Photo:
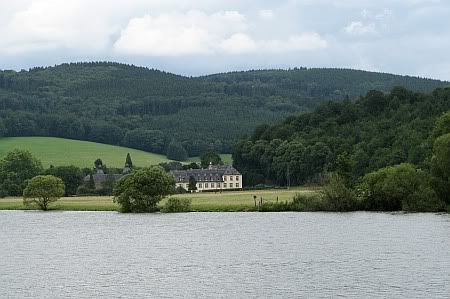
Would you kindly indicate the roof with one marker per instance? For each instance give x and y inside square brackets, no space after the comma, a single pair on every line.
[210,174]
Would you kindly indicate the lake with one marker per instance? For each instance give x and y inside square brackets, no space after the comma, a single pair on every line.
[224,255]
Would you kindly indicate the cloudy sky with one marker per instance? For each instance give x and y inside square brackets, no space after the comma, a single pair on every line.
[194,37]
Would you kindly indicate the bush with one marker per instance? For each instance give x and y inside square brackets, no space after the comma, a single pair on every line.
[307,203]
[300,203]
[177,205]
[337,197]
[400,187]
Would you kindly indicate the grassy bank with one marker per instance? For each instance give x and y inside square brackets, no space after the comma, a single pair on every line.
[201,202]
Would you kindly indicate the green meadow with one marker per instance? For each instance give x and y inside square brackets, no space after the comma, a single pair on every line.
[61,152]
[234,201]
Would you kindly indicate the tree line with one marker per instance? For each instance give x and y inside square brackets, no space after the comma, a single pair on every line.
[161,112]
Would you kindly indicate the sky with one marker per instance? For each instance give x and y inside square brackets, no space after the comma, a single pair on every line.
[196,37]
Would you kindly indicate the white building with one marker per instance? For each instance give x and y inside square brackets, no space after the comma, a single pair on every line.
[213,178]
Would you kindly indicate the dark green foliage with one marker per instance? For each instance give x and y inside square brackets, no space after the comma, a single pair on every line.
[15,169]
[177,205]
[71,176]
[192,186]
[210,157]
[400,187]
[350,138]
[105,101]
[141,190]
[176,151]
[300,203]
[440,167]
[180,190]
[442,125]
[146,140]
[191,165]
[168,166]
[98,163]
[128,162]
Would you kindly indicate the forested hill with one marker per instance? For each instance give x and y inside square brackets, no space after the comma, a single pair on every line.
[375,131]
[149,109]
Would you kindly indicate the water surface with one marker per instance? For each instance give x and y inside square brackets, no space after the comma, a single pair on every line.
[227,255]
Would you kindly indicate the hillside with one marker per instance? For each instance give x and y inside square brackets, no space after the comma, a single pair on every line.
[147,109]
[63,152]
[377,130]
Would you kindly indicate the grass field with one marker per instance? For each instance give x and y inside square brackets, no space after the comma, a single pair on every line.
[201,202]
[59,152]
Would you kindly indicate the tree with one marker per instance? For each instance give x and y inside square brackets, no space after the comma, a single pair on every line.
[442,126]
[43,190]
[128,162]
[210,157]
[175,151]
[71,176]
[440,166]
[399,187]
[141,190]
[98,163]
[192,186]
[17,167]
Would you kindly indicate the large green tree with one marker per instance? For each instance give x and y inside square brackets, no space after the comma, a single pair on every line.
[141,190]
[43,190]
[15,169]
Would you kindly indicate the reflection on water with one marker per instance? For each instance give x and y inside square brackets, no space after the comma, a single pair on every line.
[229,255]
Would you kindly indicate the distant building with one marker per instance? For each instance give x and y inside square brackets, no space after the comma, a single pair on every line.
[100,177]
[212,178]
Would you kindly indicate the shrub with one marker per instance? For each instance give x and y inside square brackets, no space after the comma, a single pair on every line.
[307,203]
[400,187]
[177,205]
[337,197]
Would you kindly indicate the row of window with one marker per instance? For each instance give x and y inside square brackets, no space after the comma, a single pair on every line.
[216,185]
[231,178]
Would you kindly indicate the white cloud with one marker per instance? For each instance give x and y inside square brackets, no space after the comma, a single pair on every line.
[239,43]
[197,33]
[358,28]
[50,24]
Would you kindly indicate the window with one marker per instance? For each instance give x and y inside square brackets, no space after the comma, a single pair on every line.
[237,178]
[206,185]
[231,177]
[212,185]
[224,185]
[218,185]
[237,185]
[224,177]
[200,186]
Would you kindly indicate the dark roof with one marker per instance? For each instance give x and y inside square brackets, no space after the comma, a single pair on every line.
[213,173]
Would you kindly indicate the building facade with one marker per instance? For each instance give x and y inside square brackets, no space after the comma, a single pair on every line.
[213,178]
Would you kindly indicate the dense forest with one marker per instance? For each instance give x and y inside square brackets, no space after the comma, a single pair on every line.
[375,131]
[148,109]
